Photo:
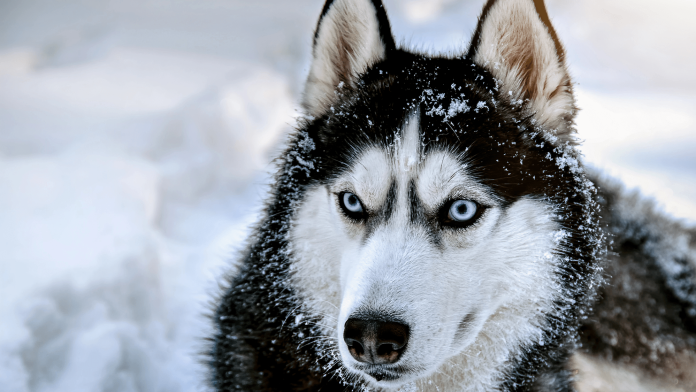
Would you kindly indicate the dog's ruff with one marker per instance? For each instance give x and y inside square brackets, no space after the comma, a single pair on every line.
[498,301]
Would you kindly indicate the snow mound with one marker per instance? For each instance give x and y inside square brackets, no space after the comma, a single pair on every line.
[115,236]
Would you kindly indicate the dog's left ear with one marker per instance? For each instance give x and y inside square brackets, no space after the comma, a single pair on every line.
[352,35]
[515,41]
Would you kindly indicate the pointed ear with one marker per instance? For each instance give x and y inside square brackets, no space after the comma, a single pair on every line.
[515,41]
[352,35]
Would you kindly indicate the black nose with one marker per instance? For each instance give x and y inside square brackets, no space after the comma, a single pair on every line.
[375,342]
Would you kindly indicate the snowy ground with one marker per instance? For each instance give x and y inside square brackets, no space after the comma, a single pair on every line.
[136,139]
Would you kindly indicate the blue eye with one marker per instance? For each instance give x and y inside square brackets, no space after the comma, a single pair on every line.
[462,211]
[351,205]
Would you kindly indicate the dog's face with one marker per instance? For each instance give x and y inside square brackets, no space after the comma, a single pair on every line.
[431,233]
[404,238]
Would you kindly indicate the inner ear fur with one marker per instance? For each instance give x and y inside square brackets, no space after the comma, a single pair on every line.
[351,36]
[514,40]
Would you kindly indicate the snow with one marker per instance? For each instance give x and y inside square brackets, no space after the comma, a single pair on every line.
[458,106]
[136,139]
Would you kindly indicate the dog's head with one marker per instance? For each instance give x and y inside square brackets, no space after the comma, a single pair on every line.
[437,226]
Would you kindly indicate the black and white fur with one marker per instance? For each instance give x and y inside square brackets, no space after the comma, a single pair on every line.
[499,304]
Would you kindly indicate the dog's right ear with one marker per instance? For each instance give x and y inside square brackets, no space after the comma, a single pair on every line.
[516,42]
[351,36]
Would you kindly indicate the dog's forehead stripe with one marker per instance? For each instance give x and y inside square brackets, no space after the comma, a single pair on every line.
[408,145]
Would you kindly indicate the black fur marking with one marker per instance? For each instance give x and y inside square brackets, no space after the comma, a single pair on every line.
[390,204]
[420,217]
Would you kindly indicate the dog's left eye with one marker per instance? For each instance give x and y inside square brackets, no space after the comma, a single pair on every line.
[351,205]
[460,213]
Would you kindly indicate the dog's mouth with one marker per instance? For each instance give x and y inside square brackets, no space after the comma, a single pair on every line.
[388,374]
[385,376]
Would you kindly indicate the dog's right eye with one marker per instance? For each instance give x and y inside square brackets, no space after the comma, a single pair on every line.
[351,205]
[460,213]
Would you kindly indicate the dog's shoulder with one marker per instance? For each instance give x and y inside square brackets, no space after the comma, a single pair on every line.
[645,314]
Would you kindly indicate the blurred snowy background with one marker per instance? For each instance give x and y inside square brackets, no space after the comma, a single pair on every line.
[136,138]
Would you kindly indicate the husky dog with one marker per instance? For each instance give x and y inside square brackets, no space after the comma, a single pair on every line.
[432,228]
